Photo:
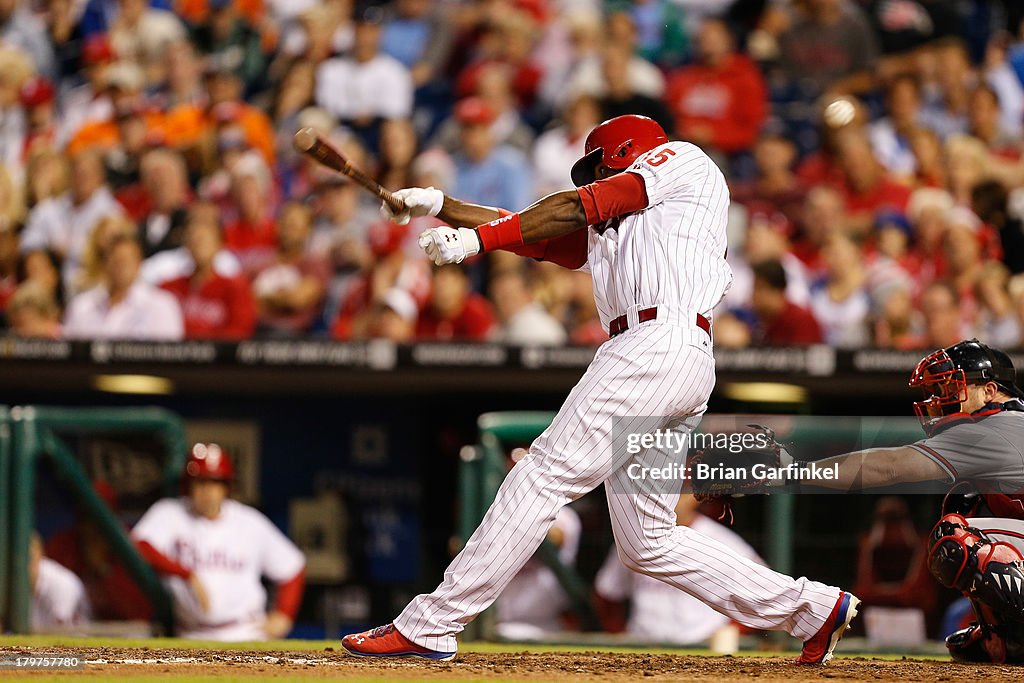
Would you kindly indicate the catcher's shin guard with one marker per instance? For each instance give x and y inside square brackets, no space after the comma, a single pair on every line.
[985,642]
[991,573]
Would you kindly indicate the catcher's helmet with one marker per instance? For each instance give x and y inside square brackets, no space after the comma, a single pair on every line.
[617,143]
[945,374]
[209,461]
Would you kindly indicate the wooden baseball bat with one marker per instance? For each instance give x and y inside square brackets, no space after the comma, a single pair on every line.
[308,142]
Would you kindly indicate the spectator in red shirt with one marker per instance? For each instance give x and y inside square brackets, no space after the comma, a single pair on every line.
[251,235]
[892,245]
[839,116]
[782,323]
[213,306]
[927,210]
[866,186]
[720,101]
[290,290]
[964,260]
[455,311]
[776,184]
[929,165]
[821,215]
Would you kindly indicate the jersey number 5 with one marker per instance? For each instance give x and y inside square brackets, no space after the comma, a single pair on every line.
[661,157]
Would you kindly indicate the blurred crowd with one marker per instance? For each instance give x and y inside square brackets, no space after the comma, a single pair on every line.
[149,189]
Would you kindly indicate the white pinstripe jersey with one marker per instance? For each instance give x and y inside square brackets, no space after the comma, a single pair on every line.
[671,254]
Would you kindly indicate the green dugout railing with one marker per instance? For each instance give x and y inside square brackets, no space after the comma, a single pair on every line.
[28,433]
[483,468]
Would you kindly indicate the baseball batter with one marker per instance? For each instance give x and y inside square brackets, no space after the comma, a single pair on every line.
[213,551]
[647,220]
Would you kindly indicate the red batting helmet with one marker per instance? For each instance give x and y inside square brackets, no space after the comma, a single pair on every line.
[617,143]
[209,461]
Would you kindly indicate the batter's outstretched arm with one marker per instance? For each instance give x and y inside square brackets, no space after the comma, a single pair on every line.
[877,467]
[555,215]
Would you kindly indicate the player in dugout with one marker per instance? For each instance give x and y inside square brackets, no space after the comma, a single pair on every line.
[212,551]
[973,415]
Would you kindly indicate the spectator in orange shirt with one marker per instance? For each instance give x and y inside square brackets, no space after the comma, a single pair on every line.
[290,290]
[719,102]
[213,306]
[454,312]
[782,322]
[225,105]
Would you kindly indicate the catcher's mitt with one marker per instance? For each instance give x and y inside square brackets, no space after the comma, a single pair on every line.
[752,462]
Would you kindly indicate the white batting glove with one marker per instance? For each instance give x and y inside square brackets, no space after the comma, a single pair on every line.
[449,245]
[419,201]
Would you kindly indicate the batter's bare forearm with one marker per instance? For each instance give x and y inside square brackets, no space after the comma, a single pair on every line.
[553,216]
[460,214]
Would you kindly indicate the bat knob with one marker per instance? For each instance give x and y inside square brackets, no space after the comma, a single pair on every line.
[304,139]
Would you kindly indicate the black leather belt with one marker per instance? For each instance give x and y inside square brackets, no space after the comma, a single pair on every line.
[619,325]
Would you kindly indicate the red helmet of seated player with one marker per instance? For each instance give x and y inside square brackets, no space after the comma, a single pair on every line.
[944,376]
[616,144]
[209,461]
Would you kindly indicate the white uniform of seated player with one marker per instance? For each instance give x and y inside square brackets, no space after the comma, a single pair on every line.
[660,613]
[534,602]
[212,552]
[59,602]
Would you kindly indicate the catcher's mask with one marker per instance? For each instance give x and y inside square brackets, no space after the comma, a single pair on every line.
[944,376]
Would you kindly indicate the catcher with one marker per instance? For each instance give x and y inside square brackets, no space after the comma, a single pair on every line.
[973,415]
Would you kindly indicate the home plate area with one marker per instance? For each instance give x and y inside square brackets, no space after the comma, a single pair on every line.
[154,663]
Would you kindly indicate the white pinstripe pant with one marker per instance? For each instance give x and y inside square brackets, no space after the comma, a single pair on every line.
[649,371]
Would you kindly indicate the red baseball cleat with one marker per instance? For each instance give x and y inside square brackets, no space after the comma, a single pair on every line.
[386,641]
[818,650]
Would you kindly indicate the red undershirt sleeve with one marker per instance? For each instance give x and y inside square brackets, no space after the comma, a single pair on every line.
[568,251]
[289,595]
[160,562]
[621,194]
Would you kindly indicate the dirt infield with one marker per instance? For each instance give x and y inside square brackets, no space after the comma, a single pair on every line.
[563,667]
